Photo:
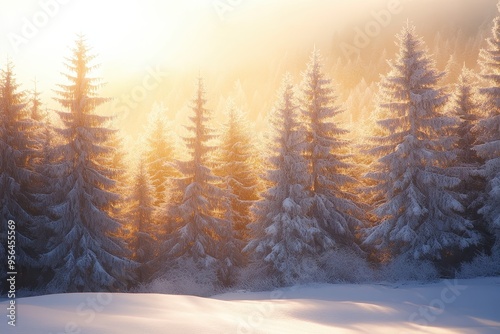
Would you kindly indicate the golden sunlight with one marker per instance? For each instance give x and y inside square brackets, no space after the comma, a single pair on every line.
[341,155]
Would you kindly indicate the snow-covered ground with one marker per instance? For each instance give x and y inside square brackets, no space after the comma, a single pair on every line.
[462,306]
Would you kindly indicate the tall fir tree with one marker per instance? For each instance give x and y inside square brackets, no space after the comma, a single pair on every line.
[84,253]
[488,146]
[333,207]
[284,235]
[159,153]
[197,228]
[42,182]
[236,167]
[140,218]
[420,216]
[118,161]
[38,117]
[466,107]
[17,203]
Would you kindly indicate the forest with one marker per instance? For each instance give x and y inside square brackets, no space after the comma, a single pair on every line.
[397,180]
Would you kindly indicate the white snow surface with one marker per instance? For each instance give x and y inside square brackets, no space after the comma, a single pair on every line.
[461,306]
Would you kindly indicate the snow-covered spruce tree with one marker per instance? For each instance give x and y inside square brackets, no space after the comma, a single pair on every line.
[284,235]
[45,179]
[488,146]
[236,167]
[41,182]
[83,252]
[16,199]
[38,117]
[197,229]
[117,161]
[140,219]
[333,206]
[419,213]
[45,164]
[465,105]
[159,153]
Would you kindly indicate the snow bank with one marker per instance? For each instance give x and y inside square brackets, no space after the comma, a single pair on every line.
[454,306]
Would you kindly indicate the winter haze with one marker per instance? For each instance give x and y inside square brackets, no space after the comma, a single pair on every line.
[250,166]
[252,48]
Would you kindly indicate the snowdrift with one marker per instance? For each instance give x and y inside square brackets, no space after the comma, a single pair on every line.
[448,306]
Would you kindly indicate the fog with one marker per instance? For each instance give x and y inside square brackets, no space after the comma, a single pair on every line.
[152,52]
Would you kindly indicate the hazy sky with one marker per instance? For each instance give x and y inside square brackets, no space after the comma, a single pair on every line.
[154,49]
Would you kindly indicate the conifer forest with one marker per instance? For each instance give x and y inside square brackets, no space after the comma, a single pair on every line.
[368,154]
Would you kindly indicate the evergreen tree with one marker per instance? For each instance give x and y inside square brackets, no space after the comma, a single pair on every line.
[36,112]
[420,215]
[16,199]
[140,217]
[47,136]
[452,70]
[159,154]
[333,206]
[38,117]
[84,254]
[42,182]
[118,162]
[284,234]
[488,146]
[46,164]
[197,228]
[466,106]
[236,167]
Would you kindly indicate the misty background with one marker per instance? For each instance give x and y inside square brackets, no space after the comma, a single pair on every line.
[241,48]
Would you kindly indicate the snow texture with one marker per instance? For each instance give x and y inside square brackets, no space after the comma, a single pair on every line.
[444,307]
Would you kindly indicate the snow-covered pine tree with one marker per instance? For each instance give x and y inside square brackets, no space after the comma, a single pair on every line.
[40,183]
[159,153]
[466,107]
[488,146]
[118,162]
[284,235]
[83,252]
[452,70]
[16,199]
[38,117]
[44,180]
[197,228]
[43,134]
[333,206]
[236,167]
[140,219]
[230,254]
[45,162]
[419,213]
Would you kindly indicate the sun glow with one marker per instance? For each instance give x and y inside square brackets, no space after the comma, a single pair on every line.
[241,51]
[205,146]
